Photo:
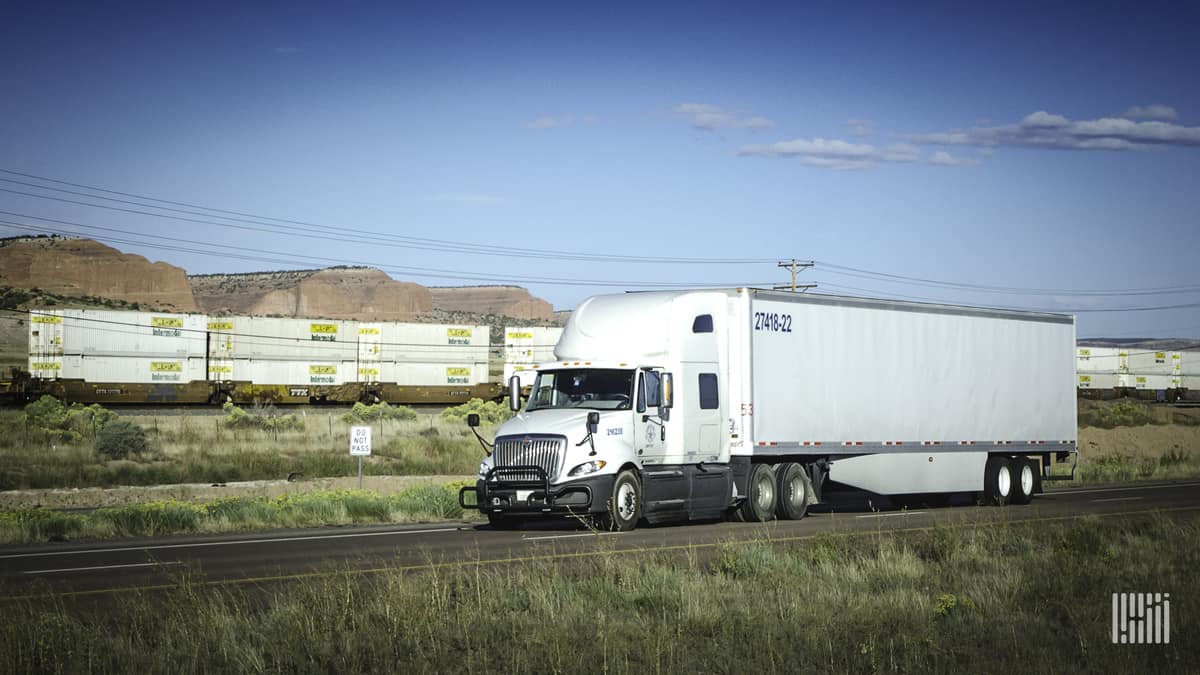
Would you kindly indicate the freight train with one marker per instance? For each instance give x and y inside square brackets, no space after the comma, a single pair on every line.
[1148,374]
[122,357]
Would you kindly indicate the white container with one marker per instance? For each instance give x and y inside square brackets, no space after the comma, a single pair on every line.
[127,369]
[92,332]
[530,344]
[295,339]
[1151,382]
[433,343]
[1100,360]
[1152,362]
[1189,363]
[294,372]
[443,374]
[1097,380]
[525,372]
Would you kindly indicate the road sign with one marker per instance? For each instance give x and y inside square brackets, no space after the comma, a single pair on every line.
[360,441]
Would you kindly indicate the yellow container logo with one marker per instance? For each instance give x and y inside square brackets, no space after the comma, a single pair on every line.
[520,336]
[1085,353]
[166,367]
[324,328]
[369,330]
[1085,379]
[322,370]
[45,365]
[220,325]
[166,322]
[458,332]
[458,372]
[374,372]
[40,318]
[220,369]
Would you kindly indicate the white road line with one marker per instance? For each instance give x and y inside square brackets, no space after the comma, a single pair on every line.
[1073,491]
[102,567]
[1116,499]
[890,514]
[569,536]
[202,544]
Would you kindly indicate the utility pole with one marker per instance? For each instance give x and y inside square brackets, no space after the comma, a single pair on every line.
[795,267]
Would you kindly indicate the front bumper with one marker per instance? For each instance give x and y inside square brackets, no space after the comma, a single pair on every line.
[497,494]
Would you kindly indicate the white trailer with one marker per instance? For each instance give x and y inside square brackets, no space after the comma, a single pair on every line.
[700,404]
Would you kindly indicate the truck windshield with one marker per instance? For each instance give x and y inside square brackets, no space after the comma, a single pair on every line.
[600,389]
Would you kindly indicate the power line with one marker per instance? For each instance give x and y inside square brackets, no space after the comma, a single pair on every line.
[297,259]
[403,241]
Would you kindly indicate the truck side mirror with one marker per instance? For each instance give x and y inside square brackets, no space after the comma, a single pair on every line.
[473,420]
[666,395]
[514,393]
[593,422]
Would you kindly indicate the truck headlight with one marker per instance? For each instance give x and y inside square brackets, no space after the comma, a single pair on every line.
[587,467]
[483,469]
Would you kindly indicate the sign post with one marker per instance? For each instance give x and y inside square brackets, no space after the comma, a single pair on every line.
[360,446]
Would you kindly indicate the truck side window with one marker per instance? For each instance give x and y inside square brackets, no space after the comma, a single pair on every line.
[648,391]
[702,324]
[709,399]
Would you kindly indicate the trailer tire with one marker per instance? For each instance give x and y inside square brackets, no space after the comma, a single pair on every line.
[1024,480]
[625,504]
[997,481]
[762,493]
[792,493]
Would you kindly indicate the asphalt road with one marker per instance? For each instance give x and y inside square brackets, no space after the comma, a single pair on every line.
[110,568]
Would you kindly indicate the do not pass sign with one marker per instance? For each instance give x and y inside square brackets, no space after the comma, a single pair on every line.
[360,441]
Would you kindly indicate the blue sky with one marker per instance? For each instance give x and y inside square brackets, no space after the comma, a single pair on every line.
[1046,147]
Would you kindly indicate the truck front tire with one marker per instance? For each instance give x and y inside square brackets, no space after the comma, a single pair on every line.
[625,505]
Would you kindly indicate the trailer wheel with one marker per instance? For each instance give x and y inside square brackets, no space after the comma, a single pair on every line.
[793,492]
[1024,480]
[759,506]
[997,481]
[625,506]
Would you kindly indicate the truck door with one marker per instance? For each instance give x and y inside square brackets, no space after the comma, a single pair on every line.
[647,427]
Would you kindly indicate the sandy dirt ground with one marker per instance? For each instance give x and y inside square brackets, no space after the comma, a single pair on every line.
[1151,440]
[90,498]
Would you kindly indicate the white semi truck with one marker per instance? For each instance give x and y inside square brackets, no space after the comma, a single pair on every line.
[695,405]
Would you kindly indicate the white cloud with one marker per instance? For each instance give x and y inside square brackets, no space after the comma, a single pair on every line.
[943,158]
[710,118]
[1154,111]
[1045,130]
[861,127]
[833,153]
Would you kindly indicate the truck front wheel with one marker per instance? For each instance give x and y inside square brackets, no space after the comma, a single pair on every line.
[625,506]
[759,506]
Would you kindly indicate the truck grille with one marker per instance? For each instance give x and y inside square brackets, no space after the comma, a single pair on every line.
[543,451]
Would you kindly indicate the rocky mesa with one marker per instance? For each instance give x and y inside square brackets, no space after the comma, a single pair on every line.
[82,267]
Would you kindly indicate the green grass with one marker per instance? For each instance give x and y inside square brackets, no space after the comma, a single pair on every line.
[202,449]
[1001,598]
[342,507]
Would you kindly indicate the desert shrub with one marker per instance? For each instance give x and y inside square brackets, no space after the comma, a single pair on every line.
[263,417]
[489,412]
[66,424]
[1119,414]
[379,411]
[120,439]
